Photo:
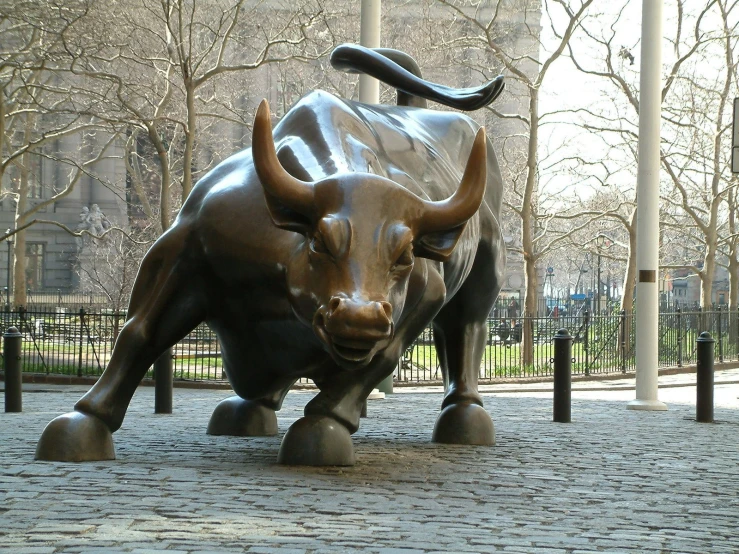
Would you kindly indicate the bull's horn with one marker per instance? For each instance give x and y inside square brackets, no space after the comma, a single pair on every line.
[293,193]
[462,205]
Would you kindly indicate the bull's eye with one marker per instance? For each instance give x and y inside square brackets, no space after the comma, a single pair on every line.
[318,246]
[405,259]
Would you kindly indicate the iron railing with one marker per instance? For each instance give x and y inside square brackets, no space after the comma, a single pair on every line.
[80,342]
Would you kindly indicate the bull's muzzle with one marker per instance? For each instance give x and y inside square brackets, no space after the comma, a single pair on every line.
[354,330]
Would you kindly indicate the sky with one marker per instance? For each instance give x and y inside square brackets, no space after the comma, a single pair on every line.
[567,88]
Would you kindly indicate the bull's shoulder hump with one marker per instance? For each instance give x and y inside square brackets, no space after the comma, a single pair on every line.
[316,105]
[311,110]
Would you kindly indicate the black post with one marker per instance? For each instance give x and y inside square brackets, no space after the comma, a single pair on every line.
[679,324]
[81,335]
[163,383]
[364,409]
[12,342]
[10,266]
[598,308]
[720,336]
[622,324]
[586,340]
[562,376]
[704,378]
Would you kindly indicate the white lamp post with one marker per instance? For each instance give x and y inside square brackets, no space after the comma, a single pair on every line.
[369,36]
[369,92]
[647,218]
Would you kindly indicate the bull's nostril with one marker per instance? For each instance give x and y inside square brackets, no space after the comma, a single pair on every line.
[334,303]
[388,309]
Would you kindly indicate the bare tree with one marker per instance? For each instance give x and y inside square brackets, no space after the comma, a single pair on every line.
[43,119]
[164,65]
[498,32]
[701,75]
[108,265]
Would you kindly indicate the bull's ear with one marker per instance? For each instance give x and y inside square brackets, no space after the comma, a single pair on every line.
[285,218]
[438,245]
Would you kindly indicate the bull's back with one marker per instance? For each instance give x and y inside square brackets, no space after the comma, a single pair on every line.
[424,150]
[322,135]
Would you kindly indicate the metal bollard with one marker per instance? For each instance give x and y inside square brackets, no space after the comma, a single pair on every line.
[364,409]
[386,385]
[562,376]
[12,342]
[704,378]
[163,383]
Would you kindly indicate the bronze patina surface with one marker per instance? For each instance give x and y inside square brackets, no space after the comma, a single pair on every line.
[322,252]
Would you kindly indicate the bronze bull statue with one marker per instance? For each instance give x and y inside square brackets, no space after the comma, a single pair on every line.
[323,252]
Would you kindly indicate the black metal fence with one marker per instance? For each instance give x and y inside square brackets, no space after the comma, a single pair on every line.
[601,344]
[79,342]
[51,299]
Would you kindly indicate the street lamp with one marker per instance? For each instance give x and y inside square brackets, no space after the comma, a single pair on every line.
[8,289]
[601,240]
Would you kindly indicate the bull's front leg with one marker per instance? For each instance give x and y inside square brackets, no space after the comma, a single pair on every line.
[463,420]
[460,335]
[323,436]
[164,308]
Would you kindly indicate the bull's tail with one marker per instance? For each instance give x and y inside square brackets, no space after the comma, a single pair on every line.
[399,70]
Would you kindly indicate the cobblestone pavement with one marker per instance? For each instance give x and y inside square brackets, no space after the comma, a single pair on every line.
[612,481]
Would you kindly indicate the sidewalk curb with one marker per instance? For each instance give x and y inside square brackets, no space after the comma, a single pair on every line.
[607,389]
[429,386]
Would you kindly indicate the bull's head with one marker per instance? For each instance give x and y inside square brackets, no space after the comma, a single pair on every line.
[349,277]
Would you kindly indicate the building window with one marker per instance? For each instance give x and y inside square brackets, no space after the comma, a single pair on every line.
[35,176]
[35,265]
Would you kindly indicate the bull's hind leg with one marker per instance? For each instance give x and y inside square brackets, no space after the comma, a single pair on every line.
[164,307]
[244,417]
[460,334]
[241,417]
[252,413]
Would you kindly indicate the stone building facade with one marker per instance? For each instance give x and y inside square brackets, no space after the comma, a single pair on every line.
[52,253]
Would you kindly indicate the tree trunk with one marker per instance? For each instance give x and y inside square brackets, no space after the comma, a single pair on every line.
[19,242]
[3,110]
[709,266]
[627,298]
[530,310]
[189,143]
[733,254]
[20,298]
[164,192]
[133,171]
[527,233]
[21,209]
[733,296]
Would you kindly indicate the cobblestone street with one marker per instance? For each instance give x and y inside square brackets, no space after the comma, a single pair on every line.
[612,481]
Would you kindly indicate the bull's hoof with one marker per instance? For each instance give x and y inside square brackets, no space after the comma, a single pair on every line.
[242,418]
[464,423]
[317,441]
[75,437]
